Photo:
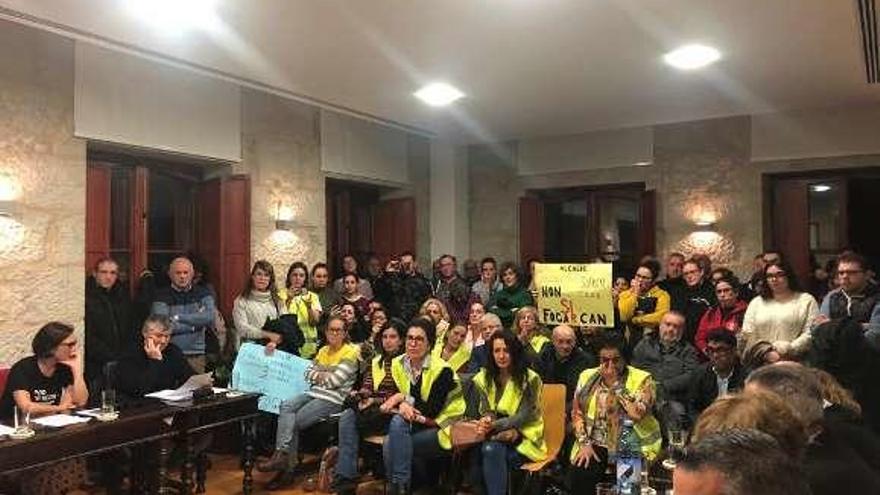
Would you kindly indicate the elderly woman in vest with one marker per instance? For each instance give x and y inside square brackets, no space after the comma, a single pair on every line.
[602,397]
[428,403]
[508,401]
[331,376]
[365,418]
[526,328]
[452,349]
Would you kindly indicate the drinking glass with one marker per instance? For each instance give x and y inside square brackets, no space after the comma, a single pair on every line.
[22,424]
[606,489]
[108,402]
[677,439]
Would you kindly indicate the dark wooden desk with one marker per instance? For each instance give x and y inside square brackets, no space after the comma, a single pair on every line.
[144,422]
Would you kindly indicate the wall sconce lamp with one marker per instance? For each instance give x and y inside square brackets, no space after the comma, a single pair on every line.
[8,208]
[705,226]
[286,225]
[284,218]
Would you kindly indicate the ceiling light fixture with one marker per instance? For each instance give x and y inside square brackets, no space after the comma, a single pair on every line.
[690,57]
[175,16]
[820,188]
[439,94]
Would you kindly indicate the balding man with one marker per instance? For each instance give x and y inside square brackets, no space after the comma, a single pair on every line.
[489,324]
[190,307]
[564,361]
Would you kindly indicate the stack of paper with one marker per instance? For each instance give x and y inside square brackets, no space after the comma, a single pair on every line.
[184,392]
[60,420]
[5,430]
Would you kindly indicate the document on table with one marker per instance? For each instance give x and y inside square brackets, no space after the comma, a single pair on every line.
[6,430]
[59,420]
[184,392]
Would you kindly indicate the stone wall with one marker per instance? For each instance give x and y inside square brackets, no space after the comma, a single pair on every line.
[494,191]
[42,168]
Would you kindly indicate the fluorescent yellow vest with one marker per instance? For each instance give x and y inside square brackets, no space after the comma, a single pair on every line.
[647,429]
[454,408]
[458,358]
[538,342]
[295,306]
[532,445]
[378,372]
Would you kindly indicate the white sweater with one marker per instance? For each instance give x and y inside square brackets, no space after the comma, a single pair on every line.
[250,314]
[786,325]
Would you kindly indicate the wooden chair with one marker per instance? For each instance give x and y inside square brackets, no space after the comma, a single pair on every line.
[553,408]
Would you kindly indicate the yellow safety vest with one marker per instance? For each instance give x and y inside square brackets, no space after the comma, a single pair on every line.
[647,429]
[458,358]
[378,372]
[532,445]
[295,305]
[538,342]
[454,408]
[348,352]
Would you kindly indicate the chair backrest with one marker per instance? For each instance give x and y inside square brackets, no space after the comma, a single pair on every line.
[4,374]
[553,407]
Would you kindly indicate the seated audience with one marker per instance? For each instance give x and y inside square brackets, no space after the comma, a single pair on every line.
[697,297]
[604,396]
[782,315]
[671,362]
[507,399]
[642,306]
[832,464]
[258,303]
[530,333]
[363,417]
[109,326]
[351,295]
[727,314]
[191,309]
[434,310]
[355,327]
[740,462]
[452,290]
[405,288]
[452,349]
[350,266]
[722,375]
[564,361]
[475,332]
[429,402]
[51,380]
[488,283]
[512,296]
[331,377]
[327,295]
[154,364]
[489,324]
[378,322]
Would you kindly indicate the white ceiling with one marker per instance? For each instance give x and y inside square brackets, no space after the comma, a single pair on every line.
[529,67]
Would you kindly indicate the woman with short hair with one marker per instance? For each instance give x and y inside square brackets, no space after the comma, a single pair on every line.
[512,296]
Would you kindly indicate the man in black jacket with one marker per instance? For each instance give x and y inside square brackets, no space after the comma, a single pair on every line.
[723,374]
[564,361]
[109,330]
[694,299]
[155,365]
[403,287]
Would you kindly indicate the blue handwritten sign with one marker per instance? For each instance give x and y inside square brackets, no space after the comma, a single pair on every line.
[278,377]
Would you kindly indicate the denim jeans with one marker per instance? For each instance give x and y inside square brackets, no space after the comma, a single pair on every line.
[491,465]
[298,414]
[403,445]
[349,438]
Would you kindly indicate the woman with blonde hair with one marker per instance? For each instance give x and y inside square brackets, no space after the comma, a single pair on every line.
[434,310]
[758,410]
[840,400]
[453,350]
[529,332]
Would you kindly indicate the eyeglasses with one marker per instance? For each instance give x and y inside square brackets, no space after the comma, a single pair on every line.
[335,330]
[418,339]
[776,275]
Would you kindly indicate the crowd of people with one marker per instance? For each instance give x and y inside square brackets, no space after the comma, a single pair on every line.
[776,385]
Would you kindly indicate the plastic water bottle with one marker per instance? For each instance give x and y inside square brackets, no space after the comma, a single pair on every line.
[629,460]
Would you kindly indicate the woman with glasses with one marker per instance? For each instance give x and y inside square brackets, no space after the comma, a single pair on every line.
[507,399]
[727,314]
[603,397]
[643,305]
[331,376]
[428,403]
[782,315]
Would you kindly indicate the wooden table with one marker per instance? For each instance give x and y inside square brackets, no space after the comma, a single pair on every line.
[147,421]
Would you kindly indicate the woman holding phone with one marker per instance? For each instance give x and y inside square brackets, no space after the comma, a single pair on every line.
[303,303]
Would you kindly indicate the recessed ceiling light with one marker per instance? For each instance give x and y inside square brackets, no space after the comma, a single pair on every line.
[820,188]
[438,94]
[690,57]
[176,15]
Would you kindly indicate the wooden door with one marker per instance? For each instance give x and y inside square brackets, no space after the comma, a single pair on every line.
[531,229]
[647,224]
[394,228]
[97,214]
[790,217]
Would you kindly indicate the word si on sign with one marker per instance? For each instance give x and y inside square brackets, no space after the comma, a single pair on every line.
[575,294]
[278,377]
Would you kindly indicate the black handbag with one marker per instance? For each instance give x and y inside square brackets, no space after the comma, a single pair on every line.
[287,327]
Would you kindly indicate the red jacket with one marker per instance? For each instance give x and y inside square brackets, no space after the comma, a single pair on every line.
[714,318]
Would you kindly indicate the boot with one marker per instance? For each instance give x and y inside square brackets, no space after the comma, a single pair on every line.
[278,462]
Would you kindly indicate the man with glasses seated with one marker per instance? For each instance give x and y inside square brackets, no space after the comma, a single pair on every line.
[723,374]
[856,297]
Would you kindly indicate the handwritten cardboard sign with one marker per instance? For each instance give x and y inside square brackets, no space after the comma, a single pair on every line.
[575,294]
[278,377]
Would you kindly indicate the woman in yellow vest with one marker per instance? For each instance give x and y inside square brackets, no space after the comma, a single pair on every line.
[508,396]
[526,328]
[603,396]
[452,349]
[364,416]
[303,303]
[434,310]
[331,376]
[428,403]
